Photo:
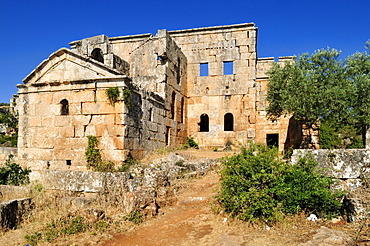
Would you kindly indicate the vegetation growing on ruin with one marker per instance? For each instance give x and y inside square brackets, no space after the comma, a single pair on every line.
[112,95]
[13,174]
[97,164]
[256,185]
[126,97]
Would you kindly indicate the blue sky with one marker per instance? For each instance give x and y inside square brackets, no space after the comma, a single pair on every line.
[32,30]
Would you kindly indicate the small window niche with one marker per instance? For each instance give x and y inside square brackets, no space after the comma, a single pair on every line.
[97,55]
[69,162]
[272,140]
[64,110]
[228,67]
[203,69]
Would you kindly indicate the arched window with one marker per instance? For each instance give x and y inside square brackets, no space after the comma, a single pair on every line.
[229,122]
[173,101]
[97,54]
[64,110]
[204,123]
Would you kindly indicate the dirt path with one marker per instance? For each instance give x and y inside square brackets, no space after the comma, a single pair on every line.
[186,222]
[192,222]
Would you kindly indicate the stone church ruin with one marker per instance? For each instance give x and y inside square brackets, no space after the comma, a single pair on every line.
[206,83]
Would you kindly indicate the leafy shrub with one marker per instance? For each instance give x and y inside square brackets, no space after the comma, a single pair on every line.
[13,174]
[190,143]
[134,216]
[257,185]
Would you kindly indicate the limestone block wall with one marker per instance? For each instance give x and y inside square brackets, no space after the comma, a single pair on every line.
[217,93]
[159,66]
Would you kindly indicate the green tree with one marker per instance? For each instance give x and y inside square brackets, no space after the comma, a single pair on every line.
[358,72]
[312,88]
[9,120]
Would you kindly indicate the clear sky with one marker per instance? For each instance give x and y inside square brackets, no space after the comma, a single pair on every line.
[33,29]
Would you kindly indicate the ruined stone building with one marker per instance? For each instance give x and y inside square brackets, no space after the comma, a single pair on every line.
[206,83]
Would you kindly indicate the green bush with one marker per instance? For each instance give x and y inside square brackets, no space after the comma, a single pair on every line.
[257,185]
[134,216]
[190,143]
[13,174]
[11,139]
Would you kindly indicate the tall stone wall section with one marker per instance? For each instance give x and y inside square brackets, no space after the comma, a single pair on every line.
[351,170]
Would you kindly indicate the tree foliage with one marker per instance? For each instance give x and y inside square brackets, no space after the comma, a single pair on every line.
[320,87]
[312,88]
[9,120]
[257,185]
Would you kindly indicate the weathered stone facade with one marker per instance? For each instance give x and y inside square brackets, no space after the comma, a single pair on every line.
[205,83]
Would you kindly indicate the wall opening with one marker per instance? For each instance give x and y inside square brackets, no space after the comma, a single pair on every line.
[64,110]
[150,116]
[168,131]
[97,55]
[272,140]
[228,67]
[68,162]
[182,110]
[204,123]
[229,122]
[204,69]
[173,101]
[178,71]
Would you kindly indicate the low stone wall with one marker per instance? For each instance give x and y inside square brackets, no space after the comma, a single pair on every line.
[9,192]
[351,169]
[6,151]
[14,211]
[142,188]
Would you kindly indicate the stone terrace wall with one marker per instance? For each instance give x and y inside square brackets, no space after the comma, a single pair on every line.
[351,169]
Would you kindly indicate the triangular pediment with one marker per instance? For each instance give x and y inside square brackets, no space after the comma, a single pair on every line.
[65,65]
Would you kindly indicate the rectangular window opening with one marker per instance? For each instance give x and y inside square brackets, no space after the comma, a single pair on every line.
[204,69]
[68,162]
[228,67]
